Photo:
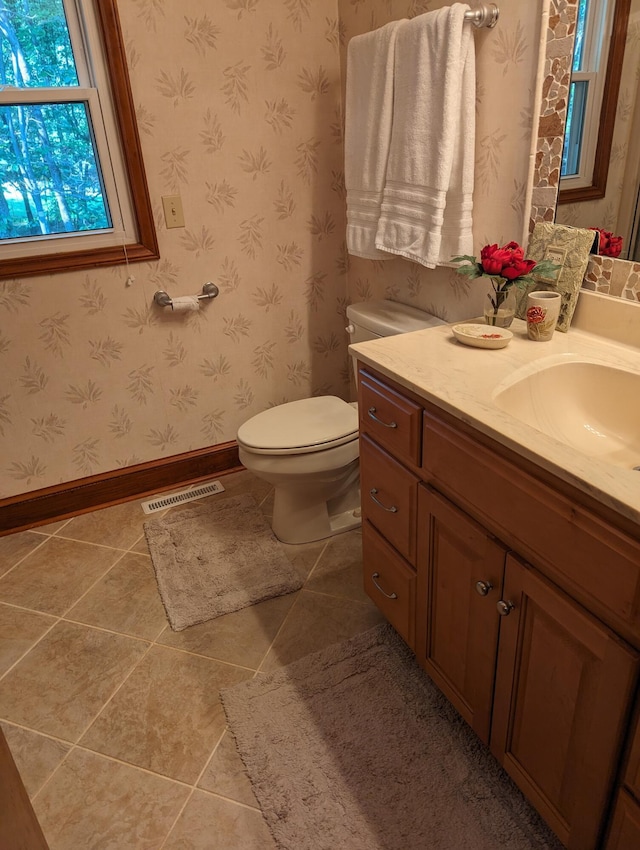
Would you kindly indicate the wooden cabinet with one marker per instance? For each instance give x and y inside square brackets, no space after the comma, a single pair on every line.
[391,582]
[625,823]
[563,687]
[459,583]
[521,604]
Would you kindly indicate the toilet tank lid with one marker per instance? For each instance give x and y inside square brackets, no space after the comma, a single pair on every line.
[386,318]
[309,422]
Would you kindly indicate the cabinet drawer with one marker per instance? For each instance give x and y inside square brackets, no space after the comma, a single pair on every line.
[390,418]
[596,563]
[389,497]
[390,582]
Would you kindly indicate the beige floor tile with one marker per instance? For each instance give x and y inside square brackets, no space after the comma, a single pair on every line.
[125,600]
[244,482]
[13,547]
[93,803]
[141,546]
[242,637]
[209,823]
[62,683]
[167,717]
[35,755]
[56,575]
[339,570]
[316,621]
[235,484]
[226,775]
[119,526]
[304,556]
[19,630]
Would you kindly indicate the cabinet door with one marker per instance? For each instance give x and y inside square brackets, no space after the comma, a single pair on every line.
[563,684]
[632,773]
[457,627]
[625,827]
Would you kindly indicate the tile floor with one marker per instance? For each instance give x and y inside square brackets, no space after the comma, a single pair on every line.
[113,719]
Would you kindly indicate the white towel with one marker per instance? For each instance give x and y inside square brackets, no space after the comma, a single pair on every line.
[428,195]
[368,114]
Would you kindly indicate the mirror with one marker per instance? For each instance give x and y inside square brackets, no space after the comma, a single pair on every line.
[604,274]
[606,193]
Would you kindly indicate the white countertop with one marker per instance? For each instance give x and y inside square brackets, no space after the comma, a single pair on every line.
[462,381]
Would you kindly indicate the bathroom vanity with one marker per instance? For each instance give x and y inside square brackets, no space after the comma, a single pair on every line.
[510,564]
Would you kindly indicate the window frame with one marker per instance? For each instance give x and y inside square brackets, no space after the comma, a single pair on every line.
[145,246]
[597,186]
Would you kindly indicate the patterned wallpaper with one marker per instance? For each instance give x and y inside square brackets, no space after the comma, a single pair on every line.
[239,109]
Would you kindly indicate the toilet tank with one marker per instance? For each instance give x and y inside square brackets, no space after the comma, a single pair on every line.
[374,319]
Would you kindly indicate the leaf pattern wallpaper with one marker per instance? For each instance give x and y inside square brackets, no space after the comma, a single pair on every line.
[239,106]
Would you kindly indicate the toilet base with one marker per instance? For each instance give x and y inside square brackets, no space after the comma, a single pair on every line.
[300,519]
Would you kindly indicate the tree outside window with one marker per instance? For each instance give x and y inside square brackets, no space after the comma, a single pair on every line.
[70,165]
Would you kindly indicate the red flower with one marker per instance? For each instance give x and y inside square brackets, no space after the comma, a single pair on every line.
[535,315]
[507,262]
[608,244]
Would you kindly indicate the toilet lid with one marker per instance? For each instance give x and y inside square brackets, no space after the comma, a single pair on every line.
[305,425]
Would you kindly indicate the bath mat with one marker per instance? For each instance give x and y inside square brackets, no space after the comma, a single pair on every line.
[354,747]
[216,558]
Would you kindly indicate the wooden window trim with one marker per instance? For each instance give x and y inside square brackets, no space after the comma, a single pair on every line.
[598,187]
[146,246]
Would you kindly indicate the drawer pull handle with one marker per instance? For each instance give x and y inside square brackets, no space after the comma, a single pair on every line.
[372,414]
[504,608]
[374,576]
[373,493]
[483,587]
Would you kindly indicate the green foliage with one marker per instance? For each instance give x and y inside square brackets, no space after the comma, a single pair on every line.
[49,169]
[36,49]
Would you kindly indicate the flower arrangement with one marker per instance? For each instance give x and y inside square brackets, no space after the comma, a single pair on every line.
[608,244]
[506,266]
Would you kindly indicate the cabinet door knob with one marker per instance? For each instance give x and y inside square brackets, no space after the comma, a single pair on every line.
[374,576]
[372,414]
[483,587]
[505,608]
[373,493]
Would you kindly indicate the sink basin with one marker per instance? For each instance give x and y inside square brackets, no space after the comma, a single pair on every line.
[592,407]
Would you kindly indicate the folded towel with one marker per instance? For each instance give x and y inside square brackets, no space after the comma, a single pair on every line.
[368,114]
[428,195]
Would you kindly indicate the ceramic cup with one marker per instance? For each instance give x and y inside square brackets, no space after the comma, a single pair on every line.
[543,309]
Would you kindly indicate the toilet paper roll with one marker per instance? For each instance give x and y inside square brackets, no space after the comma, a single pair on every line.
[185,304]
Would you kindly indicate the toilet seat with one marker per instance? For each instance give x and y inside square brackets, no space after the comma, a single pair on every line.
[300,427]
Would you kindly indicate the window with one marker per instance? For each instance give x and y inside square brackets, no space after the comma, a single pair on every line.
[593,95]
[72,186]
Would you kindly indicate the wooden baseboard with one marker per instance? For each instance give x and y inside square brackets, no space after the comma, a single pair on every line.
[38,507]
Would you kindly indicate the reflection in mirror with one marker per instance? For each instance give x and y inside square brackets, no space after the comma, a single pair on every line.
[601,163]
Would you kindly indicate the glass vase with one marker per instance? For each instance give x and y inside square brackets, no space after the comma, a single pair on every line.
[500,307]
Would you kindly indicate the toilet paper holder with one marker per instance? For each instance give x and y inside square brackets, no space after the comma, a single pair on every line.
[163,299]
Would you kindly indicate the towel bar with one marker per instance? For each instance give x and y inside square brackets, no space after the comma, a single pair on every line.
[486,15]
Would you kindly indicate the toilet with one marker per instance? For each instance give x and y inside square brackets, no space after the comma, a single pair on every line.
[308,449]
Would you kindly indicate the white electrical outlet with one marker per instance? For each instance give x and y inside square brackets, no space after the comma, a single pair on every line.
[173,214]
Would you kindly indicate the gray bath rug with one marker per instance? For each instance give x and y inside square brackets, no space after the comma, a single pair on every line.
[216,558]
[354,748]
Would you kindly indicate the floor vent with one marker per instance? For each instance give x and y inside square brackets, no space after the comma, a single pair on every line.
[198,491]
